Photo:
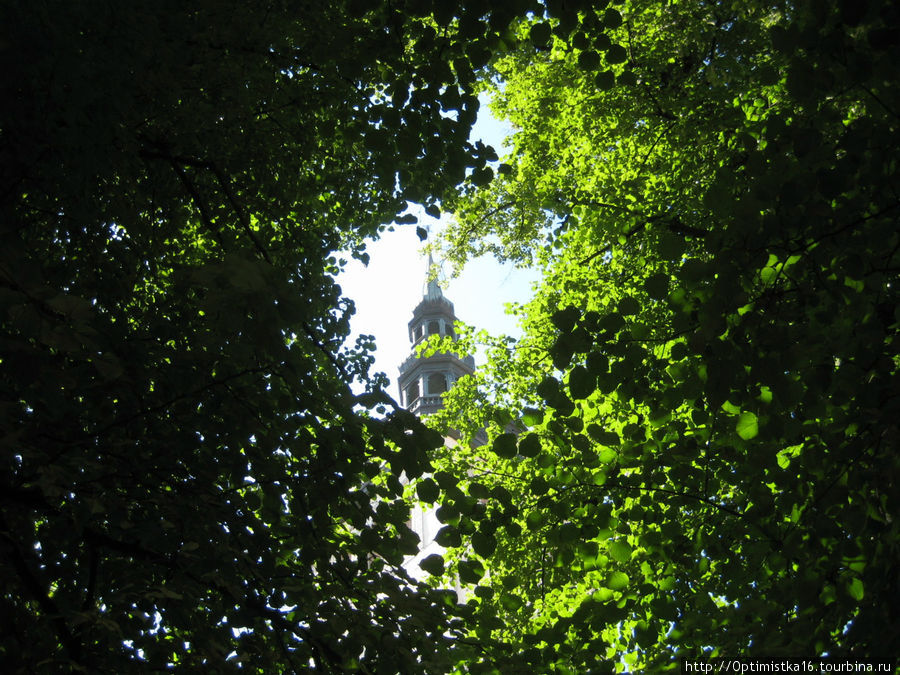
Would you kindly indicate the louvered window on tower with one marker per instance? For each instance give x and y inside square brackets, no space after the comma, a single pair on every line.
[437,383]
[412,392]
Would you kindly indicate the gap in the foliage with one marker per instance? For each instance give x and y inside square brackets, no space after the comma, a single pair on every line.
[386,291]
[391,285]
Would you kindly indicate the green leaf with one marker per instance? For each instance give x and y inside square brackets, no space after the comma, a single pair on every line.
[620,551]
[538,485]
[445,479]
[532,417]
[548,389]
[535,520]
[484,544]
[679,351]
[747,426]
[731,408]
[612,323]
[609,438]
[617,581]
[433,564]
[628,306]
[589,60]
[628,78]
[448,537]
[470,572]
[597,363]
[616,54]
[504,446]
[427,490]
[565,319]
[603,594]
[567,533]
[657,286]
[605,80]
[510,602]
[485,592]
[612,18]
[539,34]
[581,382]
[478,490]
[855,588]
[448,514]
[530,445]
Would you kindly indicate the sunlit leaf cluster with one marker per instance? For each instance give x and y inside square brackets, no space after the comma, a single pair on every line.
[707,383]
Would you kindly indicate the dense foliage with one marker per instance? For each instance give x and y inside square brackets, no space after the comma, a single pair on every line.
[187,479]
[709,374]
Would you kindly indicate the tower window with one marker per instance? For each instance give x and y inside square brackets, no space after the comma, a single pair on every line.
[412,392]
[434,328]
[437,383]
[418,332]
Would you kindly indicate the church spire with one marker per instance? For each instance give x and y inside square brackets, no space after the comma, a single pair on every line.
[423,379]
[432,289]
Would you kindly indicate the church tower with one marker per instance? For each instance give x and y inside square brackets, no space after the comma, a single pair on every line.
[423,379]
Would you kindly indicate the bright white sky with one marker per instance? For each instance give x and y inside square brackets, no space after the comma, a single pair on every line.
[390,287]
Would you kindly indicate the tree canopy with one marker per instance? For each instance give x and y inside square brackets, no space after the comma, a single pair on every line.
[187,478]
[709,372]
[707,388]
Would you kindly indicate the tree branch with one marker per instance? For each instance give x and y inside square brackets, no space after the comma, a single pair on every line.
[198,201]
[242,216]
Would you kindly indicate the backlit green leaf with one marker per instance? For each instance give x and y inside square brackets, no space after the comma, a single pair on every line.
[747,426]
[619,551]
[855,588]
[617,581]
